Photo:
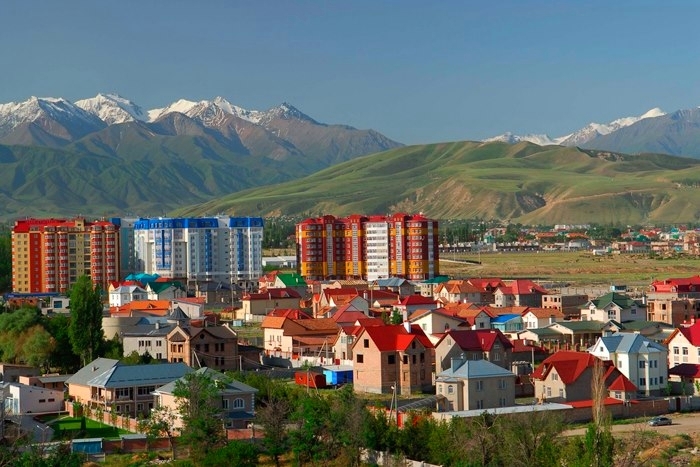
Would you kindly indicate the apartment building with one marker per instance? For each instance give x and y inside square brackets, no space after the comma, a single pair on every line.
[49,255]
[368,247]
[227,249]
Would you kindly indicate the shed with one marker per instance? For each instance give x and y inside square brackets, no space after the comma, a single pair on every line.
[338,374]
[87,445]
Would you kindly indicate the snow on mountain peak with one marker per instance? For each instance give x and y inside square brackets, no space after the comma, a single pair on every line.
[14,114]
[112,108]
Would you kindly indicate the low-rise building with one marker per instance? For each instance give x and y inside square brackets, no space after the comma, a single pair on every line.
[475,385]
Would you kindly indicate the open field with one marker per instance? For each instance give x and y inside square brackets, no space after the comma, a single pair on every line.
[576,268]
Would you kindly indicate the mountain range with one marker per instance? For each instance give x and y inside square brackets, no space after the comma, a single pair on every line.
[521,182]
[676,133]
[109,155]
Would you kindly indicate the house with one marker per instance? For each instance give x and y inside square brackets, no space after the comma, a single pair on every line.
[218,292]
[348,314]
[511,322]
[235,399]
[578,333]
[49,381]
[142,308]
[283,280]
[457,291]
[24,399]
[474,316]
[566,376]
[541,317]
[342,348]
[167,290]
[10,373]
[108,385]
[641,360]
[475,385]
[684,345]
[215,347]
[653,330]
[675,311]
[528,351]
[193,307]
[291,338]
[488,287]
[148,338]
[436,321]
[397,285]
[519,292]
[255,306]
[569,304]
[615,306]
[333,297]
[125,294]
[392,358]
[486,344]
[408,305]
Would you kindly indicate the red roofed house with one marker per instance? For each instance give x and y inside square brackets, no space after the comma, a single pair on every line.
[348,314]
[534,318]
[487,344]
[413,303]
[488,287]
[436,321]
[292,338]
[255,306]
[329,298]
[342,348]
[519,292]
[566,376]
[456,291]
[475,316]
[674,301]
[392,355]
[684,345]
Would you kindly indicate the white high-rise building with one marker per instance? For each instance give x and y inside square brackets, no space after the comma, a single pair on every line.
[226,249]
[377,244]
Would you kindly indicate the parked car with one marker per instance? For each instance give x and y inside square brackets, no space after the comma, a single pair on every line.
[658,421]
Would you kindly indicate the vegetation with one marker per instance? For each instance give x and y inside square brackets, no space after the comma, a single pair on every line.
[472,180]
[85,329]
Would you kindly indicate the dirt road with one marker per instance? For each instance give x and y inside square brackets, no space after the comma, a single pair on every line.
[682,423]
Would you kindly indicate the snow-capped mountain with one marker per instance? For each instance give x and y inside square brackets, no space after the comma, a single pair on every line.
[582,136]
[112,108]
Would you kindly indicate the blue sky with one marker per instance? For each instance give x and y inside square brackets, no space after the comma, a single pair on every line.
[415,71]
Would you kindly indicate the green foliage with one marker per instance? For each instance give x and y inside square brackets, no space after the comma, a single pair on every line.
[59,456]
[62,357]
[86,319]
[198,404]
[5,260]
[238,453]
[396,317]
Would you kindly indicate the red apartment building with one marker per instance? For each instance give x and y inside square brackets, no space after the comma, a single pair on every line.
[48,255]
[368,247]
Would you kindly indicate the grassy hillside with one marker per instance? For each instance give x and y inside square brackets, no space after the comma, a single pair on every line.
[522,182]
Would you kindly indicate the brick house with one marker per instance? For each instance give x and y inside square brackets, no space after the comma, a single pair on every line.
[519,292]
[289,338]
[486,344]
[389,356]
[212,346]
[255,306]
[566,376]
[436,321]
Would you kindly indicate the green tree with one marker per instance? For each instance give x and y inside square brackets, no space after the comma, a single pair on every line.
[530,438]
[62,357]
[309,439]
[37,347]
[238,453]
[199,407]
[5,260]
[273,418]
[85,330]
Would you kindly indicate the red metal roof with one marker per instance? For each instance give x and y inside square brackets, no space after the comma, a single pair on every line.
[396,337]
[479,339]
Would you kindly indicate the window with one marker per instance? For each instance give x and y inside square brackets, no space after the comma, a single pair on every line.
[450,389]
[413,359]
[366,343]
[685,350]
[675,350]
[224,404]
[480,385]
[642,382]
[549,392]
[405,359]
[392,359]
[502,384]
[360,358]
[239,403]
[555,377]
[641,364]
[661,380]
[480,404]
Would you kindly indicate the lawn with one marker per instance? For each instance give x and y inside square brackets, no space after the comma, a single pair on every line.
[70,428]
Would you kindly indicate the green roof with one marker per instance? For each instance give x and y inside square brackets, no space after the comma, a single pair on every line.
[291,279]
[158,287]
[581,325]
[621,300]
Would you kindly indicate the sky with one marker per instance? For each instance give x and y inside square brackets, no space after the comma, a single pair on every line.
[416,71]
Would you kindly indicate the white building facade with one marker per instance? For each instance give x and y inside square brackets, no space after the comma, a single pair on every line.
[377,244]
[225,249]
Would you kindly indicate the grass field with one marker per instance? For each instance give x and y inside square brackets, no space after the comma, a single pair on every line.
[576,268]
[69,428]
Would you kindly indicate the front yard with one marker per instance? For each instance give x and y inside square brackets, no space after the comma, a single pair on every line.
[75,427]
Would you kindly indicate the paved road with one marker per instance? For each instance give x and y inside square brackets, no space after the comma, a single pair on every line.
[682,423]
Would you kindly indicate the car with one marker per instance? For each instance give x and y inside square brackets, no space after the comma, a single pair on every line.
[659,421]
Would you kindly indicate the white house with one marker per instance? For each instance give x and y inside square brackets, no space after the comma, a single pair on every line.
[534,318]
[436,321]
[24,399]
[642,361]
[615,306]
[125,294]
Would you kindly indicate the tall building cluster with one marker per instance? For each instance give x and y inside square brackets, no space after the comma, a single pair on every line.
[48,255]
[368,247]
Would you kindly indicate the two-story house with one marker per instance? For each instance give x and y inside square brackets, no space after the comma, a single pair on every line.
[291,338]
[124,294]
[613,306]
[234,399]
[392,358]
[475,385]
[641,360]
[684,349]
[434,322]
[519,292]
[534,317]
[566,376]
[457,291]
[255,306]
[212,346]
[486,344]
[110,385]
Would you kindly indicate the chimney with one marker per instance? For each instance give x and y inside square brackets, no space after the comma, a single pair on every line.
[157,324]
[407,326]
[457,362]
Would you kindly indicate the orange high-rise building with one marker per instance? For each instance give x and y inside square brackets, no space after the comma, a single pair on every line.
[368,247]
[48,255]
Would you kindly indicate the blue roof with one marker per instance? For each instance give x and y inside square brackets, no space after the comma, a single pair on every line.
[505,318]
[474,369]
[391,282]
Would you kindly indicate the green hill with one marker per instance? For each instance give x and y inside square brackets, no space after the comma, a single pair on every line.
[523,182]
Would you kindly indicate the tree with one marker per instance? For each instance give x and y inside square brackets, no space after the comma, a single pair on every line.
[529,438]
[198,404]
[238,453]
[273,418]
[37,347]
[85,330]
[5,260]
[62,356]
[309,439]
